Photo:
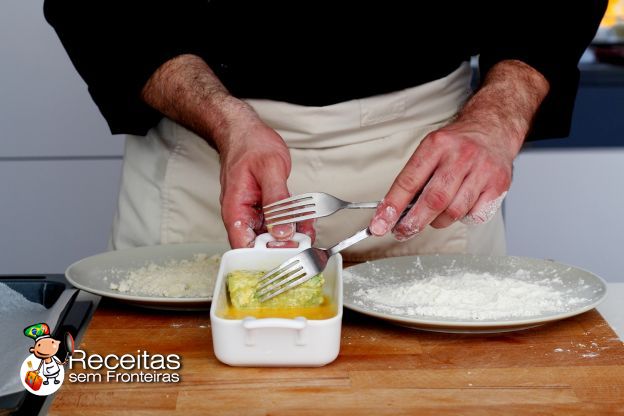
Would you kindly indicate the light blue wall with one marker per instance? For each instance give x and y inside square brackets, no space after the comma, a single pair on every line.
[568,205]
[59,165]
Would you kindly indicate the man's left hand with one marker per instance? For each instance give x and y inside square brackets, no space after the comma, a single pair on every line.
[463,170]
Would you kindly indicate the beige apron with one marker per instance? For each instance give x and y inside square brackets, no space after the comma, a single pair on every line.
[353,150]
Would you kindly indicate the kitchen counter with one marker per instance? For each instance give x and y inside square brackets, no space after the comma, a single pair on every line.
[570,367]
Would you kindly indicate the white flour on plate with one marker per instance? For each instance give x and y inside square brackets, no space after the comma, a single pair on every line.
[464,295]
[193,278]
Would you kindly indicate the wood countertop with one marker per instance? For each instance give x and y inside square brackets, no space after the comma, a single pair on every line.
[570,367]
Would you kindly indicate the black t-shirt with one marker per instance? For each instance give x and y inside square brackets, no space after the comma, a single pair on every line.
[312,53]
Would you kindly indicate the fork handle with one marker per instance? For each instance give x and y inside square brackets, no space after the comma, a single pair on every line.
[359,205]
[355,238]
[365,233]
[362,205]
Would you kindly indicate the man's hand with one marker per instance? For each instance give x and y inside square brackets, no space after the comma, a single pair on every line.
[255,165]
[463,170]
[255,162]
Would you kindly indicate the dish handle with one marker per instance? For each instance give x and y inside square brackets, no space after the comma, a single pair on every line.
[251,324]
[262,240]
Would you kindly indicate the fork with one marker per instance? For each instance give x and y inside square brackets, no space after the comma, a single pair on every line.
[302,267]
[307,206]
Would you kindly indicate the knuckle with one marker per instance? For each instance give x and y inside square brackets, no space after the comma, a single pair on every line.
[438,138]
[499,174]
[455,212]
[415,161]
[436,200]
[407,182]
[273,162]
[468,151]
[448,177]
[487,164]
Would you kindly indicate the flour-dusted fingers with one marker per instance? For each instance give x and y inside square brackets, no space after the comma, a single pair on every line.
[435,198]
[255,164]
[407,184]
[485,208]
[240,217]
[463,201]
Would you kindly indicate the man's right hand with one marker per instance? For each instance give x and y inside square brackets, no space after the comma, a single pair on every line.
[255,162]
[255,165]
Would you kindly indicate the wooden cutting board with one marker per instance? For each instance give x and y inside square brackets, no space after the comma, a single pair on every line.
[571,367]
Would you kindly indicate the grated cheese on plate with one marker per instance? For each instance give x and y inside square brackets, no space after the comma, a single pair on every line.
[192,278]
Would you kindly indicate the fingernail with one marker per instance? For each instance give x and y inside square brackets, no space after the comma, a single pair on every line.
[403,233]
[404,237]
[277,243]
[385,215]
[283,231]
[401,238]
[250,235]
[379,227]
[282,244]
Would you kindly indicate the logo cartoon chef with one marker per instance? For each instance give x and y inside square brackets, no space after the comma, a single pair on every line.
[45,349]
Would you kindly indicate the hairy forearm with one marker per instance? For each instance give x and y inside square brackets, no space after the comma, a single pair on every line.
[507,101]
[187,91]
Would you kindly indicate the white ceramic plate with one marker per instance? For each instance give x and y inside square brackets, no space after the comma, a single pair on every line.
[95,274]
[570,281]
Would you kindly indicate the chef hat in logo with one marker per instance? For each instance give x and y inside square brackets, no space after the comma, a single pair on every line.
[37,331]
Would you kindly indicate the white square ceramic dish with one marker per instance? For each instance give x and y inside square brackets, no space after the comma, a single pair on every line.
[251,341]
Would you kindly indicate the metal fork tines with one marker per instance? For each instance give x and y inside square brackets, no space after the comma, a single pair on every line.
[308,206]
[301,268]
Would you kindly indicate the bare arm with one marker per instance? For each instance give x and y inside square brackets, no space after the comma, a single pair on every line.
[255,162]
[464,168]
[186,90]
[508,100]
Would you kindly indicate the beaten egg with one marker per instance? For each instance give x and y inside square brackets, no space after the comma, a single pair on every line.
[306,300]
